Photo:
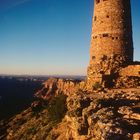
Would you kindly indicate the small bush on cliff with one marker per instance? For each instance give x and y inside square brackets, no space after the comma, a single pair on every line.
[57,108]
[97,86]
[38,105]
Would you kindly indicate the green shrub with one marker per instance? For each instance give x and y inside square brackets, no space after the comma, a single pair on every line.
[97,85]
[57,108]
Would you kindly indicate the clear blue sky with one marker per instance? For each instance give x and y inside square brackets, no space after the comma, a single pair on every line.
[50,36]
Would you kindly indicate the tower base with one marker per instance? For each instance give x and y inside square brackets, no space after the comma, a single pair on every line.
[123,77]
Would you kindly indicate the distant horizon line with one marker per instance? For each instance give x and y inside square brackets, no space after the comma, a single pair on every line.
[41,75]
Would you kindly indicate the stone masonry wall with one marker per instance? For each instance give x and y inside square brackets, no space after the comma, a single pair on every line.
[131,70]
[129,76]
[111,30]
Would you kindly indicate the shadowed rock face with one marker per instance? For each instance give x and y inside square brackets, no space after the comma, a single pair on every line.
[97,115]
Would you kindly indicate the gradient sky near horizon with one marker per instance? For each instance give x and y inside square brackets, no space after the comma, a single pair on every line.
[50,36]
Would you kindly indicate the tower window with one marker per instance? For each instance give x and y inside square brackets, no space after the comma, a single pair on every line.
[105,35]
[93,57]
[107,16]
[104,57]
[126,42]
[97,1]
[95,18]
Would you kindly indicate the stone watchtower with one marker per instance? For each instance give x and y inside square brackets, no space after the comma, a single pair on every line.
[111,40]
